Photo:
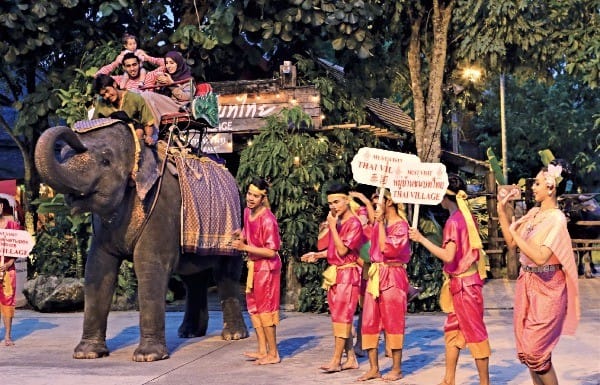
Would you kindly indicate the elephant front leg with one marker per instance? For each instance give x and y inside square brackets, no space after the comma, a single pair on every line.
[100,278]
[152,289]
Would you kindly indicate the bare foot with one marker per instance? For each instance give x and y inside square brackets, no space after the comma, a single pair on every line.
[370,375]
[9,342]
[330,368]
[267,360]
[392,376]
[255,355]
[350,363]
[444,382]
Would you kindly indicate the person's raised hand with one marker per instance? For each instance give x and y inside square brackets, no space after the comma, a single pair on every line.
[332,219]
[149,140]
[164,79]
[415,235]
[309,257]
[379,214]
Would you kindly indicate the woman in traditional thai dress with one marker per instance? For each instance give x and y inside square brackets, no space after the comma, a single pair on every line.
[8,279]
[546,292]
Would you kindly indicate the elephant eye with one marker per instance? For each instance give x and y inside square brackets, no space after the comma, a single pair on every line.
[105,162]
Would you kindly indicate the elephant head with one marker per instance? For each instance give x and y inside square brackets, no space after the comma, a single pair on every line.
[95,167]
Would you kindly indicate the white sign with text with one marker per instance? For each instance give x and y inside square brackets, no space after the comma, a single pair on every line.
[15,243]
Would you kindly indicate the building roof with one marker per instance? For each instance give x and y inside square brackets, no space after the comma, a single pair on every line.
[390,115]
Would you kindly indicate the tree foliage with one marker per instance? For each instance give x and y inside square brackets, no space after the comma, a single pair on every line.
[560,116]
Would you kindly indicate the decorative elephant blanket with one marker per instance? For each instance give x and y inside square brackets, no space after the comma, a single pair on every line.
[210,209]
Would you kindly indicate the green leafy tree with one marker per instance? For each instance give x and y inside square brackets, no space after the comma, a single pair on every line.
[560,116]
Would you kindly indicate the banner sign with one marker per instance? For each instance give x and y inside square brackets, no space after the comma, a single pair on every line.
[408,179]
[15,243]
[419,183]
[374,167]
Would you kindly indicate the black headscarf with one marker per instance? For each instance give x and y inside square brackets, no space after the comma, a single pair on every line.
[183,71]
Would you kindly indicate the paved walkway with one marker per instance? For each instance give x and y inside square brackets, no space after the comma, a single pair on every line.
[44,344]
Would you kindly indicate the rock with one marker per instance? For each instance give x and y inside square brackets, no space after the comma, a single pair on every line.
[54,294]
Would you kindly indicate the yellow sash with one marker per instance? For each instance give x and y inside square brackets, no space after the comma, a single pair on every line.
[330,274]
[474,238]
[250,278]
[373,282]
[329,277]
[446,296]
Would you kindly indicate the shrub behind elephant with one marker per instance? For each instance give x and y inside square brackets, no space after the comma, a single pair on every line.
[102,168]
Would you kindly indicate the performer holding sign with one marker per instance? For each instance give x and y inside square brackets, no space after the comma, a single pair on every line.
[8,278]
[461,296]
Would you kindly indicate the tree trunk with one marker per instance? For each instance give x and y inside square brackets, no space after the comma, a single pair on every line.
[292,287]
[428,113]
[414,66]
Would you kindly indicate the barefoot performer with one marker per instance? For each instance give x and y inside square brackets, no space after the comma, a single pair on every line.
[8,278]
[547,291]
[260,239]
[461,295]
[385,300]
[342,277]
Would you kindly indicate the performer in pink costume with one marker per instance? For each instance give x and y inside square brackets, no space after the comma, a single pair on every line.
[342,277]
[385,300]
[8,278]
[260,239]
[547,291]
[461,295]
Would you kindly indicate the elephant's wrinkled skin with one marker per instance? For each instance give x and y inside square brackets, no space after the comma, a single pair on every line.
[94,172]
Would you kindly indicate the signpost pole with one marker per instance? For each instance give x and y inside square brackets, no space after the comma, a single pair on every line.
[415,221]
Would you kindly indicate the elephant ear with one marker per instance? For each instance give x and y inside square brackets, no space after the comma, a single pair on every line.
[147,173]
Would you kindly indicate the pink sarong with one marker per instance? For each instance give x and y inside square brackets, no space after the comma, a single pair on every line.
[546,304]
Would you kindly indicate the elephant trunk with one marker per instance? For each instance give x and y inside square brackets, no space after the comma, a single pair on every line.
[60,175]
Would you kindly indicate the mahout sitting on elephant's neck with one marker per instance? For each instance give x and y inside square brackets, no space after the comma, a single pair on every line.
[95,170]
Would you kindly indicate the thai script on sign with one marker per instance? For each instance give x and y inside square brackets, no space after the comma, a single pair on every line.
[409,180]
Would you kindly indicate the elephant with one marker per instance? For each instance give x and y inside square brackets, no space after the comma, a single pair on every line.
[108,172]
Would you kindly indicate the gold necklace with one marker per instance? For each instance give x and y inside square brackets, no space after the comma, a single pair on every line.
[532,223]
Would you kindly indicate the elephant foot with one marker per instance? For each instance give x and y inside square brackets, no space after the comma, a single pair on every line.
[234,331]
[187,330]
[90,350]
[149,352]
[234,327]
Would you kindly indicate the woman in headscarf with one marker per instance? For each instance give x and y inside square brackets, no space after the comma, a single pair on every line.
[175,87]
[176,81]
